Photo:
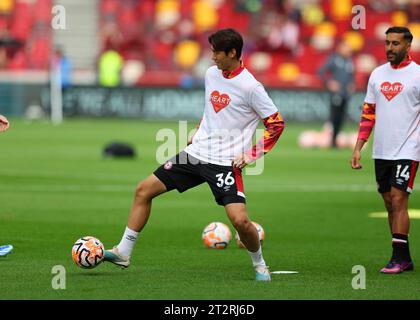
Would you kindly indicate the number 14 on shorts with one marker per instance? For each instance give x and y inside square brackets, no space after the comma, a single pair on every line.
[405,173]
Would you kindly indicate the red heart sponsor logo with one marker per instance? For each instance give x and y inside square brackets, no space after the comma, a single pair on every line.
[390,90]
[219,101]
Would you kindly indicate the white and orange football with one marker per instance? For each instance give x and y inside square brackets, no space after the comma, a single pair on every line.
[88,252]
[216,235]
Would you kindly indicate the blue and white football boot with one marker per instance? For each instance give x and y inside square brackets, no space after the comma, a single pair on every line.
[262,273]
[113,256]
[5,250]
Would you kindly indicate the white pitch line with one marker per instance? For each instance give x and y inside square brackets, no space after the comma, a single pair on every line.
[284,272]
[412,213]
[131,187]
[48,174]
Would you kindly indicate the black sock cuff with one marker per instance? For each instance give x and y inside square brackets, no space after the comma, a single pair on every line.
[400,236]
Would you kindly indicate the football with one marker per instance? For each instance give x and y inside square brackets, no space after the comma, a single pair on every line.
[88,252]
[216,235]
[261,235]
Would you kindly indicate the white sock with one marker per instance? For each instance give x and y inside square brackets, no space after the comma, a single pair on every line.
[127,243]
[257,258]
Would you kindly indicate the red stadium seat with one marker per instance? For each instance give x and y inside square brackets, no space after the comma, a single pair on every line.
[40,52]
[4,23]
[22,21]
[42,11]
[109,6]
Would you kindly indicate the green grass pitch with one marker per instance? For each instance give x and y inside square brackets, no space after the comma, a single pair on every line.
[55,187]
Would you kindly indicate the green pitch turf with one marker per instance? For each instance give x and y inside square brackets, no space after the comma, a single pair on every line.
[55,187]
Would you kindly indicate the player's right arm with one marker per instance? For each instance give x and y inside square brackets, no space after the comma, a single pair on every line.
[366,125]
[4,123]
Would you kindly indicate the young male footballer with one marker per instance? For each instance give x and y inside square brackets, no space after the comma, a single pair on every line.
[235,102]
[4,125]
[392,105]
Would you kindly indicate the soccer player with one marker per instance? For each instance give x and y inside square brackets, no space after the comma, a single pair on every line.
[4,125]
[338,75]
[221,147]
[393,103]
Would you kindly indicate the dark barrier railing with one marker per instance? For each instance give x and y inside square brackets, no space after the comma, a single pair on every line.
[160,103]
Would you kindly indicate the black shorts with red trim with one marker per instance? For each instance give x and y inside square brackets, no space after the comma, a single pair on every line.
[183,172]
[395,173]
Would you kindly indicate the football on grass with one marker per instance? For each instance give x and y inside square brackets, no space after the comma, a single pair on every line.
[88,252]
[216,235]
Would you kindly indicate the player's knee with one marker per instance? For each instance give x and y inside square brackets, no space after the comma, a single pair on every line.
[241,223]
[388,206]
[142,191]
[397,201]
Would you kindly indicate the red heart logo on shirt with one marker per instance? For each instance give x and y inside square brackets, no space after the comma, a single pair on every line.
[219,101]
[390,90]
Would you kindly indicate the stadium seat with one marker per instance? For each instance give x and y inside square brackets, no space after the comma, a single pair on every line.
[109,6]
[40,52]
[42,11]
[22,22]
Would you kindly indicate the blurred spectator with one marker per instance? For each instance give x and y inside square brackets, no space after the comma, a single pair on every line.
[283,35]
[276,33]
[414,10]
[9,46]
[62,63]
[110,66]
[132,71]
[3,57]
[110,34]
[338,76]
[381,5]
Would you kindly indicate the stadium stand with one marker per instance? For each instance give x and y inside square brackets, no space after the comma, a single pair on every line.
[286,41]
[164,42]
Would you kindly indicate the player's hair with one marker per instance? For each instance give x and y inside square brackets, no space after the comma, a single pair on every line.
[226,40]
[407,34]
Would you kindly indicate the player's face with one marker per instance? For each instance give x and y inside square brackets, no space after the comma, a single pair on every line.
[222,60]
[396,48]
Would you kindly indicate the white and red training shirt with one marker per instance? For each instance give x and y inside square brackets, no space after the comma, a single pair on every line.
[396,94]
[233,108]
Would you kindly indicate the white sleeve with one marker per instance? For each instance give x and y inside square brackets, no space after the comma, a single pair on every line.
[261,102]
[370,92]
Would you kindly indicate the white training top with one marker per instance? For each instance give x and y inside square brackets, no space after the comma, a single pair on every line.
[396,93]
[233,108]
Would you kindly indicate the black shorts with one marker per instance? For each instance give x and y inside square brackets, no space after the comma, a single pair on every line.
[395,173]
[183,172]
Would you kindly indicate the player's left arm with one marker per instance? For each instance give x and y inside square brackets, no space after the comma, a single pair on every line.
[274,126]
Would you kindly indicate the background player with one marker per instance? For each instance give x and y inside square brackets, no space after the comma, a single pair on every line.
[338,75]
[393,103]
[235,102]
